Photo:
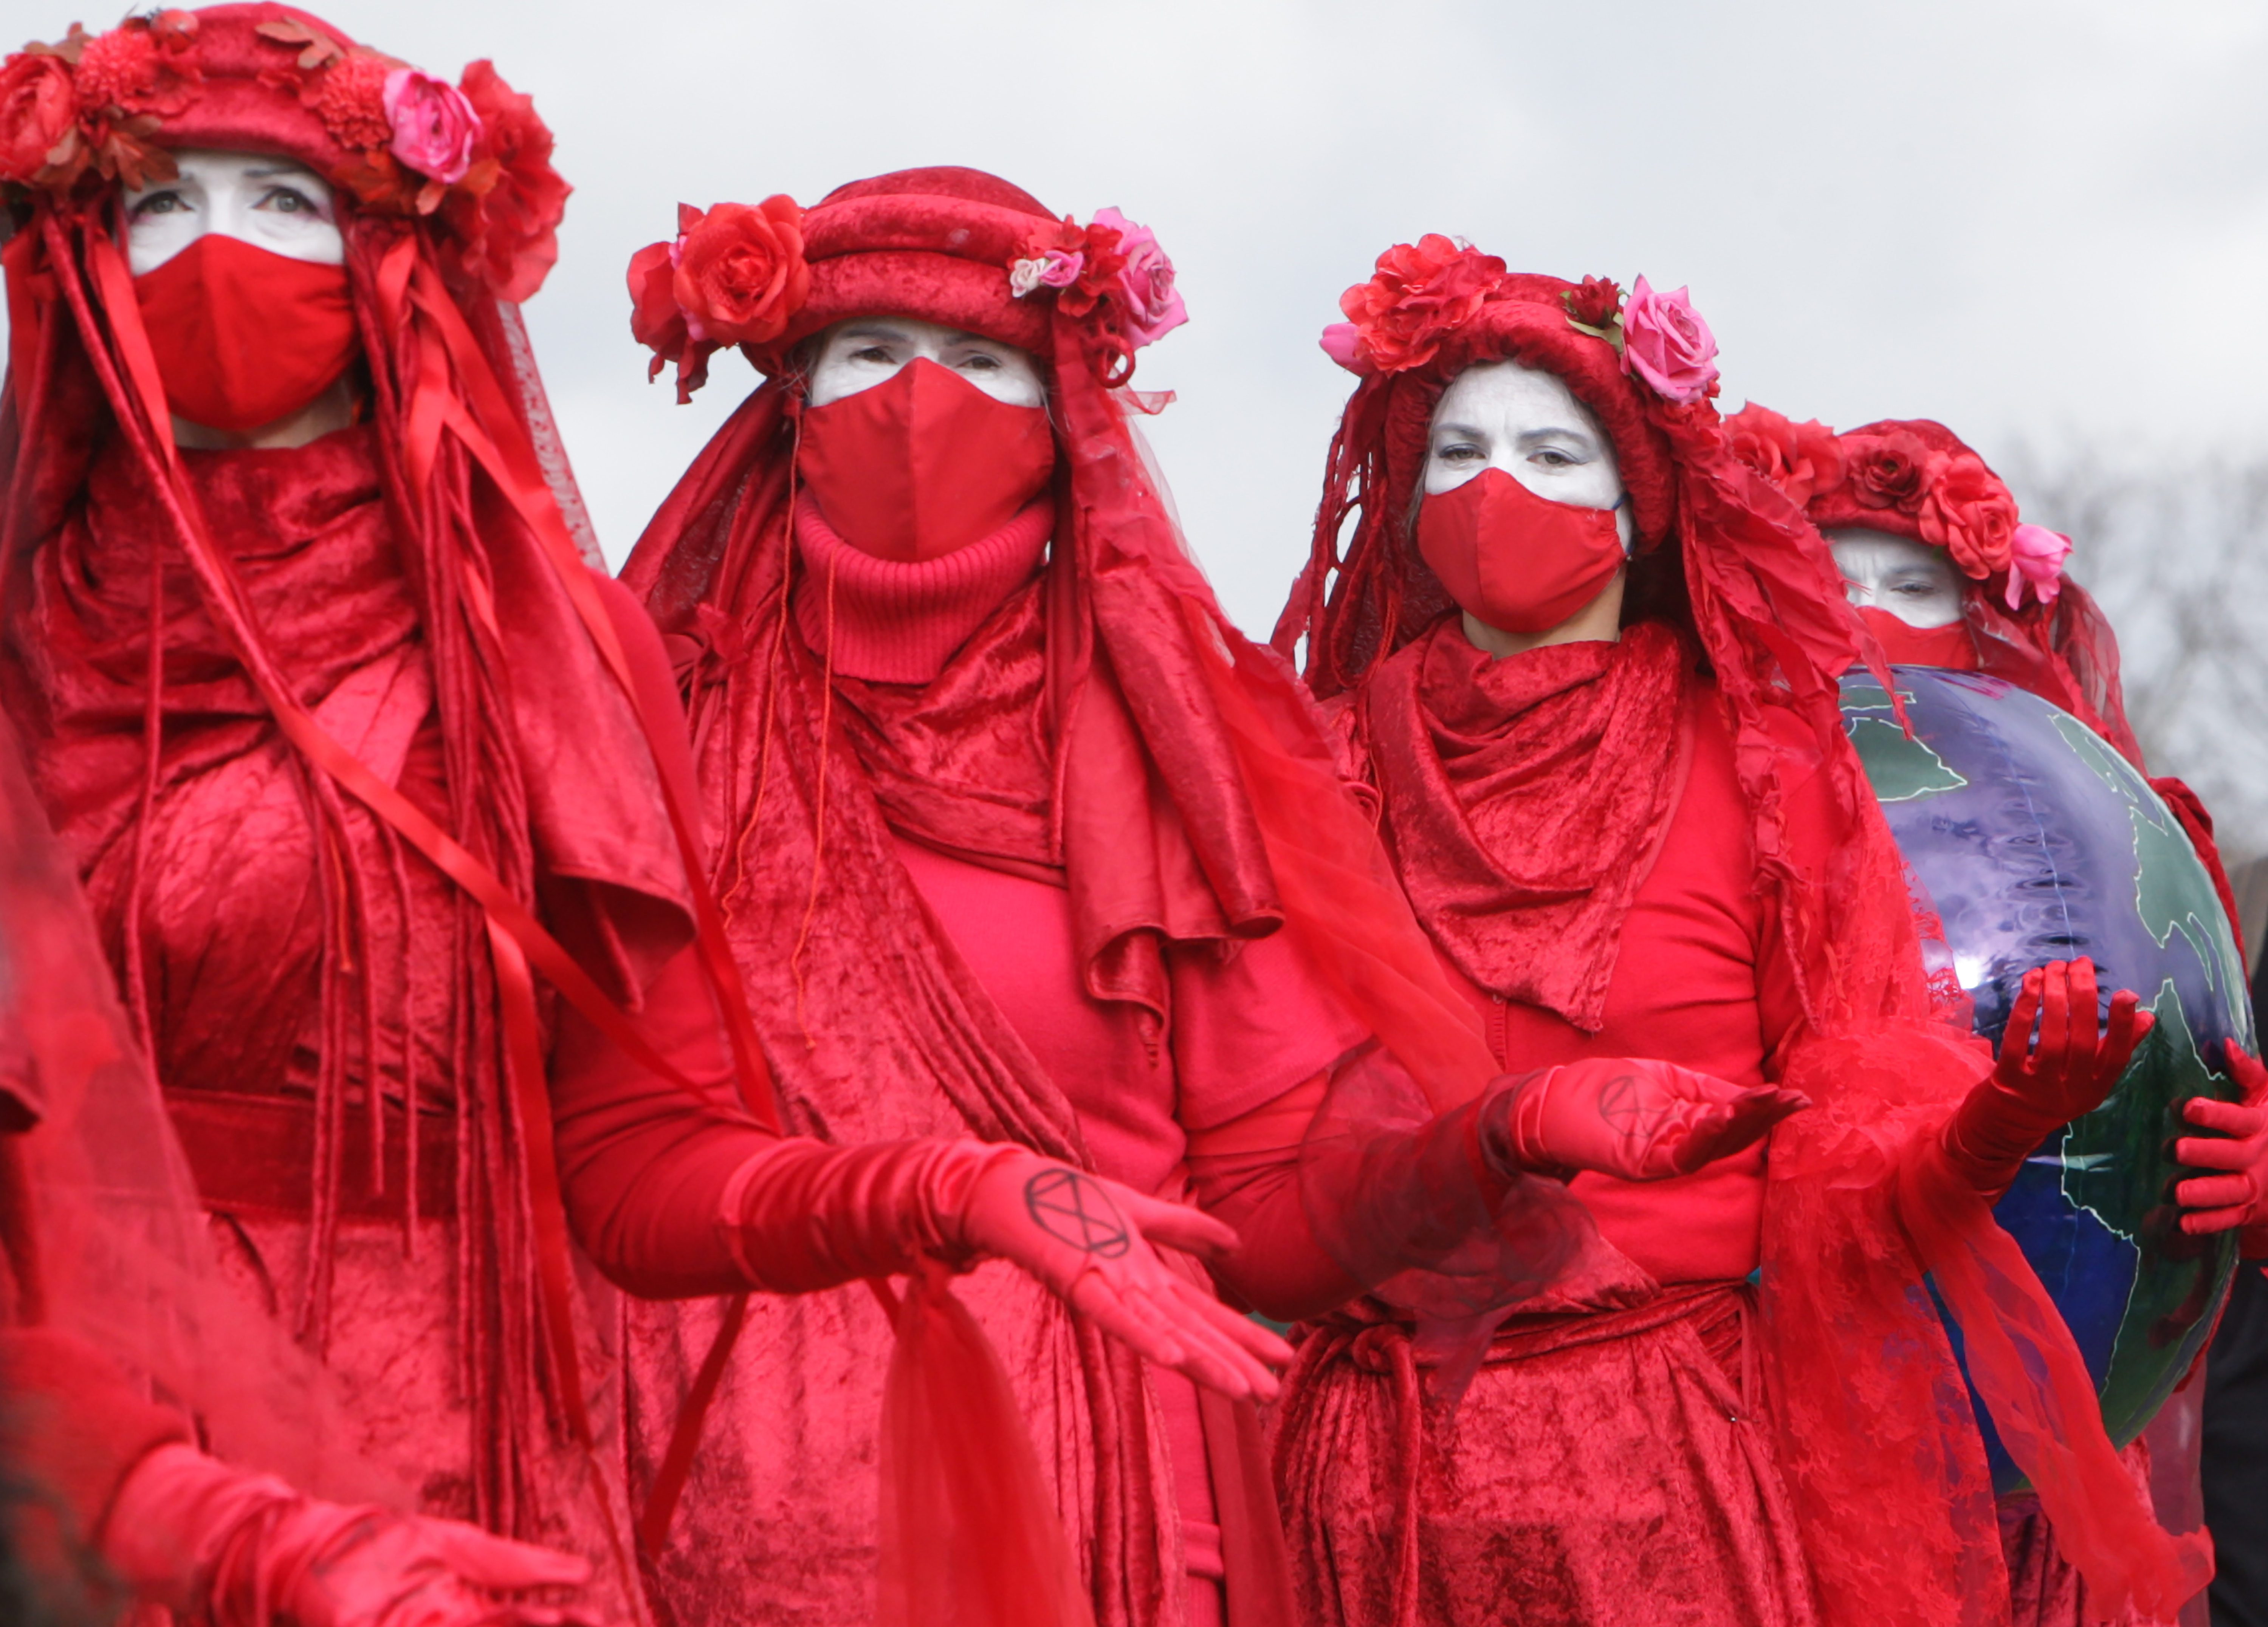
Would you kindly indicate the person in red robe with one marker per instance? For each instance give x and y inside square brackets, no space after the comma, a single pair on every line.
[1943,571]
[338,728]
[1587,661]
[1048,902]
[109,1302]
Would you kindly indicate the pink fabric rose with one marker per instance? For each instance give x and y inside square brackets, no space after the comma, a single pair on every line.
[1666,343]
[434,126]
[2035,556]
[1151,304]
[1054,267]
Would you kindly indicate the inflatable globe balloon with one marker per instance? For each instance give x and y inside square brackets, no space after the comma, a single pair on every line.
[2035,842]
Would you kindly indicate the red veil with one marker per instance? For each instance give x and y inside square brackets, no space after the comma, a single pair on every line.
[549,777]
[1874,1431]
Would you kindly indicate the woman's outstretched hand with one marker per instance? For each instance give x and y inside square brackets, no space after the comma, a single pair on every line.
[1088,1239]
[2236,1194]
[239,1549]
[1634,1118]
[2042,1081]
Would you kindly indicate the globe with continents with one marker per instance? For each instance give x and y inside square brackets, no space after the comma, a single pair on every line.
[2035,841]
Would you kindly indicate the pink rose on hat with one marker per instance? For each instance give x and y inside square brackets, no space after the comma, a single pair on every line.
[434,126]
[1666,343]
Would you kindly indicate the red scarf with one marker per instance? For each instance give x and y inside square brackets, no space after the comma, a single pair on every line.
[1526,799]
[964,763]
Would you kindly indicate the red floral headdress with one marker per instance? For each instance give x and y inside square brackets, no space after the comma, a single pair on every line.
[1912,478]
[754,275]
[96,110]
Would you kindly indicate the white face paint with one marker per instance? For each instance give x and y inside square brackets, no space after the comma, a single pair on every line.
[1528,423]
[860,353]
[279,204]
[1914,581]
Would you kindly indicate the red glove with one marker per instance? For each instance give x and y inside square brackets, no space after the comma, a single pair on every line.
[238,1549]
[804,1215]
[2038,1087]
[1634,1118]
[2238,1197]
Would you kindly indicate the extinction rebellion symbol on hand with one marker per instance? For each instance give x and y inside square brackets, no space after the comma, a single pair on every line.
[1072,1208]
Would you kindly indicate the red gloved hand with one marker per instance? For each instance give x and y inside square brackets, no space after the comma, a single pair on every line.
[805,1215]
[2039,1086]
[1633,1118]
[1088,1240]
[2238,1197]
[239,1549]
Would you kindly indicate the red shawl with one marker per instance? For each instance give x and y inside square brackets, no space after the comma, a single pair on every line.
[1526,799]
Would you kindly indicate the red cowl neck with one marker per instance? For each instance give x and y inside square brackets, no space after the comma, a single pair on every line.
[1526,799]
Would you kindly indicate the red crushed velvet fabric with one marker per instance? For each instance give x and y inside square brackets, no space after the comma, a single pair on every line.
[1526,799]
[961,763]
[1607,1468]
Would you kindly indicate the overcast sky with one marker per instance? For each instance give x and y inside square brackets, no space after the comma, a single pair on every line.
[2031,220]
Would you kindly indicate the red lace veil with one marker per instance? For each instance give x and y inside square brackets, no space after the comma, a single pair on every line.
[550,768]
[1874,1429]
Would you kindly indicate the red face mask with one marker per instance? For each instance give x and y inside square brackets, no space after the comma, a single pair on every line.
[924,463]
[243,336]
[1518,562]
[1950,646]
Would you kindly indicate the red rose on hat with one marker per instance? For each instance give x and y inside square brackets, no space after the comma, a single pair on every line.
[507,211]
[741,272]
[1596,303]
[1968,512]
[39,108]
[1421,293]
[1887,471]
[1801,459]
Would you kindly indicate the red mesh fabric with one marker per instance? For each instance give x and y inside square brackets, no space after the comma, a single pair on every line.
[973,1547]
[1872,1413]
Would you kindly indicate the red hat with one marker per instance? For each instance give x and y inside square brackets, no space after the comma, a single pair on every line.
[472,159]
[945,244]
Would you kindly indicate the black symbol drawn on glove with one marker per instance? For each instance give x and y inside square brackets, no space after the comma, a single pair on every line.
[1072,1208]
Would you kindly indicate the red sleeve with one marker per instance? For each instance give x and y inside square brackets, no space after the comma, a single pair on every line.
[74,1425]
[1247,1173]
[643,1162]
[1249,1028]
